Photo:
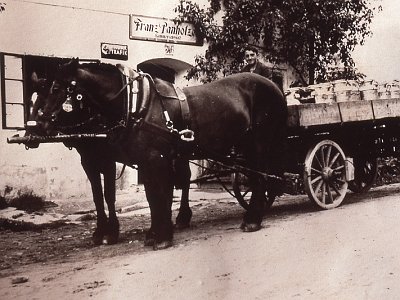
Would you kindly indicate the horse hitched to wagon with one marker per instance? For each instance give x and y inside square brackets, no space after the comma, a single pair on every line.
[241,122]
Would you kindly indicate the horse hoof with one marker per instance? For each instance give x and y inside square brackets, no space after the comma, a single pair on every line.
[150,238]
[182,225]
[149,242]
[162,245]
[112,232]
[250,227]
[183,219]
[111,239]
[97,238]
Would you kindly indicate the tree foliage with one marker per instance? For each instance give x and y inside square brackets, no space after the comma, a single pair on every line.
[308,35]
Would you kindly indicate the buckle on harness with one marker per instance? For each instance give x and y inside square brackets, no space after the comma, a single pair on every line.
[187,135]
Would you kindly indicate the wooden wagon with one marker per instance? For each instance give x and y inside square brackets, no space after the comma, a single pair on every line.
[332,147]
[335,146]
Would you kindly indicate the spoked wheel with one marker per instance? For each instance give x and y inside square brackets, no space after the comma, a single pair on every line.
[242,191]
[365,173]
[325,174]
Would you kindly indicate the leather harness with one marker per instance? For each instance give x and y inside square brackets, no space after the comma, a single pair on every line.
[139,86]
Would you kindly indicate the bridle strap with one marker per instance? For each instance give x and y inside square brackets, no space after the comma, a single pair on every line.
[128,82]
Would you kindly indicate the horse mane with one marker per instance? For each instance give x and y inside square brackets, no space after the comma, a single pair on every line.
[73,65]
[99,66]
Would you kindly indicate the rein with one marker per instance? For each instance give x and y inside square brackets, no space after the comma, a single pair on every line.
[81,124]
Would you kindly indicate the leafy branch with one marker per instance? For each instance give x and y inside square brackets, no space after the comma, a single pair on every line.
[308,35]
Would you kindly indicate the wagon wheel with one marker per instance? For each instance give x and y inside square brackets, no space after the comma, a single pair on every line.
[325,174]
[242,191]
[365,173]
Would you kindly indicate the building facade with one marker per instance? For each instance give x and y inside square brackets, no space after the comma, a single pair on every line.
[36,36]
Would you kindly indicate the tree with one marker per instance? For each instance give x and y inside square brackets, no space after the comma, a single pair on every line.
[308,35]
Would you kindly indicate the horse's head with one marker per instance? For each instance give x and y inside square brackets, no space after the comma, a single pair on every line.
[41,87]
[58,98]
[79,93]
[64,106]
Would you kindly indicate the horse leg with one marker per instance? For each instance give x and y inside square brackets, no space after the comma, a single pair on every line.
[93,175]
[253,216]
[109,172]
[182,171]
[158,182]
[268,153]
[255,154]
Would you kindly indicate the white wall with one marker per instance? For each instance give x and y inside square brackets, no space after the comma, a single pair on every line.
[62,31]
[71,29]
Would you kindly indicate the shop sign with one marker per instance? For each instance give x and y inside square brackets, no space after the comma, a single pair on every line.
[161,30]
[114,51]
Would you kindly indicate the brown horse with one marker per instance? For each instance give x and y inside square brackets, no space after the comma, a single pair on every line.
[98,158]
[245,111]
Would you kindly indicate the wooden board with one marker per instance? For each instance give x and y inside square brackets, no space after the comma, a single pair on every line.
[313,114]
[293,116]
[387,108]
[352,111]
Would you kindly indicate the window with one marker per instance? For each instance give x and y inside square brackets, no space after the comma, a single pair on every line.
[12,92]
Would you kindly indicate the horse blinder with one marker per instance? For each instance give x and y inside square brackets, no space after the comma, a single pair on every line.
[71,90]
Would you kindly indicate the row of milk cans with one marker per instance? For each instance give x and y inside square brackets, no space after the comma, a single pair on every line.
[343,91]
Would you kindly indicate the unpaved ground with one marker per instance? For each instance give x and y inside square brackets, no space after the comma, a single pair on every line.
[65,242]
[301,253]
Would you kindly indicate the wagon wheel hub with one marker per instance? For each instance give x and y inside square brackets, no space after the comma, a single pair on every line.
[327,173]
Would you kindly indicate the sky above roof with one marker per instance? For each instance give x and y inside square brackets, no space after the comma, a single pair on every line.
[379,58]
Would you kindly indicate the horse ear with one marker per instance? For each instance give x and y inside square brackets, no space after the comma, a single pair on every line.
[73,63]
[69,67]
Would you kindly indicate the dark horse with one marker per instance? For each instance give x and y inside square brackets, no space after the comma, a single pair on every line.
[245,111]
[98,158]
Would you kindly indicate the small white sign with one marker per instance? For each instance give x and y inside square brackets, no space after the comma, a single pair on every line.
[114,51]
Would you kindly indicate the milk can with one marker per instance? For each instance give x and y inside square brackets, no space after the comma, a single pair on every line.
[323,92]
[369,90]
[346,90]
[384,90]
[395,89]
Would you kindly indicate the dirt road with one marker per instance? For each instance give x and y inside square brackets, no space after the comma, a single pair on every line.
[350,252]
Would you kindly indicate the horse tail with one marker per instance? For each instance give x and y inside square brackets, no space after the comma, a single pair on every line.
[270,123]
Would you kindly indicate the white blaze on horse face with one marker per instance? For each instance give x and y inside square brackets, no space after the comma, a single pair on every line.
[33,100]
[34,97]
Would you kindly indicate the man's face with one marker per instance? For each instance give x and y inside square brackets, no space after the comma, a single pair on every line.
[250,57]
